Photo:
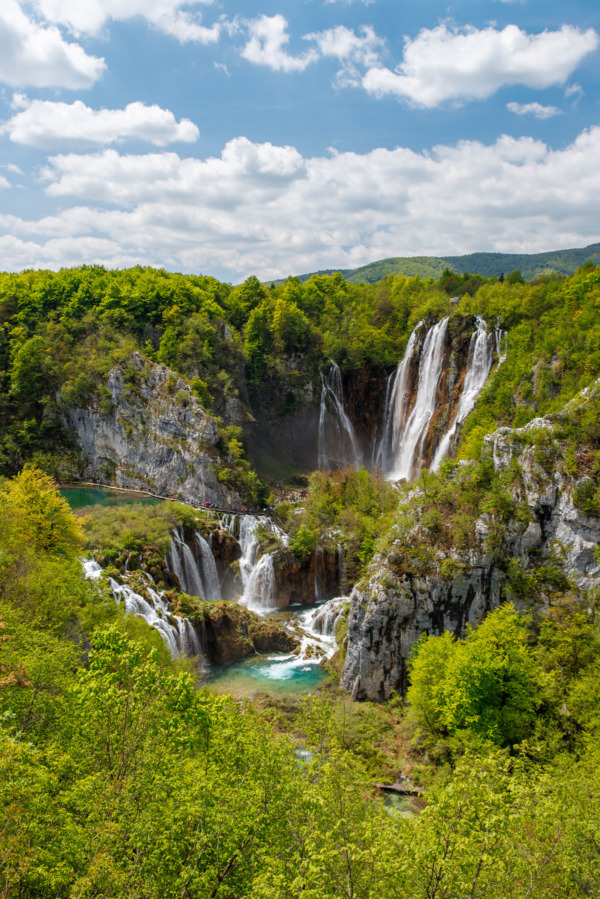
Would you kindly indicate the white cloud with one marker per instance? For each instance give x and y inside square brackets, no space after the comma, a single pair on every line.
[265,209]
[352,49]
[90,16]
[448,64]
[345,44]
[574,90]
[38,56]
[47,124]
[534,109]
[266,46]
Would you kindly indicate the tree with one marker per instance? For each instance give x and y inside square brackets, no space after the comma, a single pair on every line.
[488,684]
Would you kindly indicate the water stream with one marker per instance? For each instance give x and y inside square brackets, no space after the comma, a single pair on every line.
[337,442]
[479,362]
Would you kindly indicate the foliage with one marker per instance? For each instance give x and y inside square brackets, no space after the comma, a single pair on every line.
[119,776]
[354,505]
[135,526]
[487,684]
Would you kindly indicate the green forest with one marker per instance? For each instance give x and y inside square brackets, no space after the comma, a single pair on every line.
[123,775]
[60,334]
[531,265]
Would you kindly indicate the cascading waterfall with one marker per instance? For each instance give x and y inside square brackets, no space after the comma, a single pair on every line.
[479,363]
[407,446]
[249,545]
[182,563]
[210,575]
[318,626]
[177,632]
[259,591]
[258,577]
[396,406]
[501,345]
[337,445]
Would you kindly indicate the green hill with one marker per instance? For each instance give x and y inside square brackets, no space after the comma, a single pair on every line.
[531,265]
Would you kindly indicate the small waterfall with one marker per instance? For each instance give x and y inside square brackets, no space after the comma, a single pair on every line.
[249,546]
[183,564]
[318,629]
[259,591]
[210,576]
[478,368]
[396,406]
[337,445]
[501,338]
[177,632]
[407,443]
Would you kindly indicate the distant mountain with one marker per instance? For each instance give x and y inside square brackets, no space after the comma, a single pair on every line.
[531,265]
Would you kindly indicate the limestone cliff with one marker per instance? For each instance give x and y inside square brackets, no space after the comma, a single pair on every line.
[418,585]
[147,430]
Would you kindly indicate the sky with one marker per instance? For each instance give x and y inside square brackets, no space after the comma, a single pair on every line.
[271,137]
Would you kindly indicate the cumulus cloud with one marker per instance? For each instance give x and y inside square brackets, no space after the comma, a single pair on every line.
[266,45]
[47,124]
[90,16]
[445,63]
[33,55]
[534,109]
[266,209]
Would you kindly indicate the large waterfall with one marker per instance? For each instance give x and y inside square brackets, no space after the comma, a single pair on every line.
[337,445]
[479,362]
[406,449]
[396,407]
[414,397]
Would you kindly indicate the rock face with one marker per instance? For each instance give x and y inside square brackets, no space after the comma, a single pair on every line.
[149,432]
[396,604]
[304,581]
[228,633]
[389,613]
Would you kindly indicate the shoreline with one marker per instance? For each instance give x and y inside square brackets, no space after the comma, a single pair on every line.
[137,492]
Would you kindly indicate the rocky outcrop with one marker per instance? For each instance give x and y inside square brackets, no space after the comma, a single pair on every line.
[443,589]
[389,612]
[229,632]
[318,576]
[149,431]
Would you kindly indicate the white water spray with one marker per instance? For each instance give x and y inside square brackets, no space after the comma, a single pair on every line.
[407,445]
[337,445]
[478,368]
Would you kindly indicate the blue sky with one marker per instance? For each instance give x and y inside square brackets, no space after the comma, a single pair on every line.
[279,137]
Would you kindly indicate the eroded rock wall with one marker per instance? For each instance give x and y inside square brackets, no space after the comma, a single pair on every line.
[149,431]
[393,606]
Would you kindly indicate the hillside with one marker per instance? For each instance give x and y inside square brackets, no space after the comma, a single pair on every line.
[531,265]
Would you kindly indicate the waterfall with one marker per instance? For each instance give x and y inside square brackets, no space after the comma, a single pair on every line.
[478,368]
[396,405]
[337,445]
[501,338]
[259,591]
[183,564]
[177,632]
[408,441]
[318,629]
[249,546]
[210,576]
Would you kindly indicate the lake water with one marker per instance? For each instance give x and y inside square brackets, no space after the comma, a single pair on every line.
[82,497]
[274,673]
